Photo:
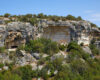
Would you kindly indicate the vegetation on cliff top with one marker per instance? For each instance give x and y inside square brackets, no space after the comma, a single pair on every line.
[33,18]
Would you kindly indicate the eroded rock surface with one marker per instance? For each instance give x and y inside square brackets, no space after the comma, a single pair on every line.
[15,33]
[66,31]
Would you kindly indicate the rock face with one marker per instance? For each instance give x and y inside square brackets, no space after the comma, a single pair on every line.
[96,36]
[66,31]
[97,43]
[24,58]
[2,34]
[16,33]
[1,21]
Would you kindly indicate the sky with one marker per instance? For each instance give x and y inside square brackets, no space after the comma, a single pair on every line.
[87,9]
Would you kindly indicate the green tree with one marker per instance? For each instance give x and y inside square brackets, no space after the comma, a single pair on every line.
[41,15]
[7,15]
[79,18]
[70,17]
[29,15]
[33,21]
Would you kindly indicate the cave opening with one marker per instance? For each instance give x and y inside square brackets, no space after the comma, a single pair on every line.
[14,47]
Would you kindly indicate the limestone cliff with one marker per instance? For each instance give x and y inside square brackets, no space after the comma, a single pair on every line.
[15,33]
[66,31]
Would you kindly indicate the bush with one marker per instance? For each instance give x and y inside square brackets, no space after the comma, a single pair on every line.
[70,17]
[9,76]
[79,66]
[2,49]
[94,49]
[43,74]
[51,48]
[1,65]
[42,45]
[21,47]
[62,47]
[34,46]
[26,72]
[76,51]
[73,45]
[7,15]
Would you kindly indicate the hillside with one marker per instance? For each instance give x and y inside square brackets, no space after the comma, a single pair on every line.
[46,47]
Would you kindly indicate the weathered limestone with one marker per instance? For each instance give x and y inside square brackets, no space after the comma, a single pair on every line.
[24,58]
[15,33]
[67,31]
[2,34]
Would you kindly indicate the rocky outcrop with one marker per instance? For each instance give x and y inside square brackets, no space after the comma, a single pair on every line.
[87,49]
[1,21]
[24,58]
[70,30]
[15,33]
[2,34]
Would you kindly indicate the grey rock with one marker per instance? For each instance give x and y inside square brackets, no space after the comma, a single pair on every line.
[77,30]
[87,49]
[10,33]
[5,67]
[36,55]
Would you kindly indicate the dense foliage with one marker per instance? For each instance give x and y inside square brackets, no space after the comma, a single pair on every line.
[33,18]
[42,45]
[94,49]
[77,65]
[2,49]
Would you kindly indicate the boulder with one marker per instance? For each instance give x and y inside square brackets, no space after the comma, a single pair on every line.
[36,55]
[87,49]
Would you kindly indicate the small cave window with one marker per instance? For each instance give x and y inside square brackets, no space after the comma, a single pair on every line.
[14,46]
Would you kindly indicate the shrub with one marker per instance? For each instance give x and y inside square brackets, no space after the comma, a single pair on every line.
[62,47]
[21,47]
[7,15]
[70,17]
[9,76]
[1,65]
[73,45]
[34,46]
[43,74]
[26,72]
[2,49]
[42,45]
[51,48]
[94,49]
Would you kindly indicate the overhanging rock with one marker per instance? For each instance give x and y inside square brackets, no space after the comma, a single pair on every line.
[77,30]
[15,33]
